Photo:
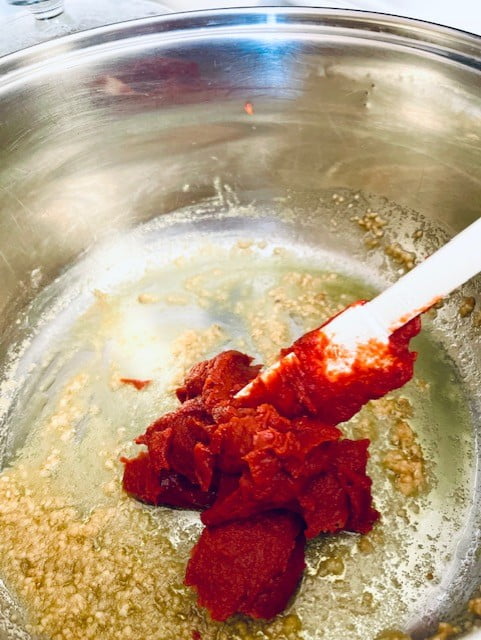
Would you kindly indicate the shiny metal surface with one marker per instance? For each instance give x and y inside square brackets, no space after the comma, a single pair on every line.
[21,29]
[41,9]
[100,131]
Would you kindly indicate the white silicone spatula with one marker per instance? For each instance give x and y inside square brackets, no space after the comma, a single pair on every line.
[435,277]
[442,272]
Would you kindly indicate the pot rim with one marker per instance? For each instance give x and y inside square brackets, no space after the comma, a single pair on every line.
[450,43]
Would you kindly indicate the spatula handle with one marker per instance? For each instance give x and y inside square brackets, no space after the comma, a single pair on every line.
[442,272]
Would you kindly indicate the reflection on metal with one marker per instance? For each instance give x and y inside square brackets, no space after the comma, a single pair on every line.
[41,9]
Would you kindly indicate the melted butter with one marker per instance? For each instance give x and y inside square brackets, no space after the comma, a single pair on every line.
[63,484]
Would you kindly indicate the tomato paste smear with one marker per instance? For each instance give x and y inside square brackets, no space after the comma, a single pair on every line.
[267,470]
[134,382]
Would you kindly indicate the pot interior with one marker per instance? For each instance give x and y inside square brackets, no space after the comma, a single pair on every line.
[177,186]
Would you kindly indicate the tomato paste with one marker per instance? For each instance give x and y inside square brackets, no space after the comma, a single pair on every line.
[267,469]
[138,384]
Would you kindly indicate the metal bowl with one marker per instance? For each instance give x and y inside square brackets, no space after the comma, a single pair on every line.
[104,130]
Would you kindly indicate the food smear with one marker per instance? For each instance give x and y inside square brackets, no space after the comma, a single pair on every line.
[308,380]
[134,382]
[268,468]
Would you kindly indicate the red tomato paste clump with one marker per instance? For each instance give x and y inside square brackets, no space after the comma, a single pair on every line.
[249,567]
[267,470]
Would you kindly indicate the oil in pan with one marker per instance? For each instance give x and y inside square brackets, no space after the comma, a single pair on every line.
[82,560]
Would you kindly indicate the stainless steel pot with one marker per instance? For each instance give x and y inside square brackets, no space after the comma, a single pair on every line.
[107,129]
